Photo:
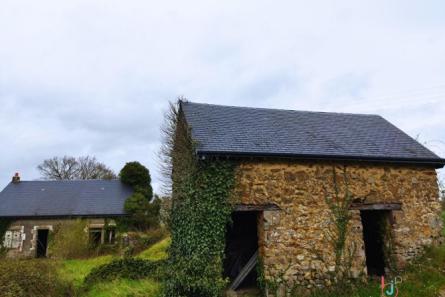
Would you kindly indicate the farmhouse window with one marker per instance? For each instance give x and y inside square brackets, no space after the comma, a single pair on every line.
[96,236]
[13,239]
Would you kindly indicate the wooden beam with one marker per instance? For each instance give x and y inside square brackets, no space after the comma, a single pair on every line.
[245,271]
[256,207]
[376,206]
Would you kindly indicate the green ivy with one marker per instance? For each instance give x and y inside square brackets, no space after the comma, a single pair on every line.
[341,217]
[4,225]
[200,214]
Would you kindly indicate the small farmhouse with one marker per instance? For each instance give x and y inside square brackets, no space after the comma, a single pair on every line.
[294,171]
[34,208]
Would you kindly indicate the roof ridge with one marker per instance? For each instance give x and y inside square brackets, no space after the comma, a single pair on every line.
[67,180]
[282,109]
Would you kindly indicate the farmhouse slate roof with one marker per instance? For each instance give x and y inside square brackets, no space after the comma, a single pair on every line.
[230,130]
[64,198]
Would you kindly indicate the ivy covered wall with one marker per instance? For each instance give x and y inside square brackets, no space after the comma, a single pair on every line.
[201,191]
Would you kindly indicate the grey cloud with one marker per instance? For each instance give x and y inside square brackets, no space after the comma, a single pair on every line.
[94,77]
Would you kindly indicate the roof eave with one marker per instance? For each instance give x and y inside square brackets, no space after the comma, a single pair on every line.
[65,216]
[436,163]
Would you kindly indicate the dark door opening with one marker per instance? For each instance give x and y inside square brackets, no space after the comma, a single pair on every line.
[374,222]
[42,243]
[241,245]
[95,237]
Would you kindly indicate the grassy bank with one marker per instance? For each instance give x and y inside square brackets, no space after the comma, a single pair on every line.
[125,288]
[75,271]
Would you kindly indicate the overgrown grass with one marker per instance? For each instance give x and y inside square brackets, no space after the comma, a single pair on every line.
[125,288]
[157,251]
[75,271]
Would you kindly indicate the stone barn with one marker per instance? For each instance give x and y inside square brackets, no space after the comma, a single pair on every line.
[33,209]
[289,166]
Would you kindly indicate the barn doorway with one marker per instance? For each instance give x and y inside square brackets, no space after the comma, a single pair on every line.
[374,222]
[42,243]
[241,250]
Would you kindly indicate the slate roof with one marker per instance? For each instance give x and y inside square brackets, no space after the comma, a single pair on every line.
[64,198]
[229,130]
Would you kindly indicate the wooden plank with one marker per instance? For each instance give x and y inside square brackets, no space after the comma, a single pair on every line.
[256,207]
[376,206]
[245,271]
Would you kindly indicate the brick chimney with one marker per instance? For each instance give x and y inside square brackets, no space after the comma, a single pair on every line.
[16,178]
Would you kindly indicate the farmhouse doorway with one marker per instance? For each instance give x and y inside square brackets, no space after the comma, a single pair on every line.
[374,225]
[42,243]
[241,249]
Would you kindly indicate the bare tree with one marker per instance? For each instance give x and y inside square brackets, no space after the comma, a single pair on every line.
[90,168]
[59,168]
[86,167]
[442,189]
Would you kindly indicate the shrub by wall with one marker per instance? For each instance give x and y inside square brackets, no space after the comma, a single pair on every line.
[25,278]
[70,240]
[4,225]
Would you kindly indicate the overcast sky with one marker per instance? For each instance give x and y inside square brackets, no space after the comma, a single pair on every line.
[95,77]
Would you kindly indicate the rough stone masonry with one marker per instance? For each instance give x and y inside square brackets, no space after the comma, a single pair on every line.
[295,239]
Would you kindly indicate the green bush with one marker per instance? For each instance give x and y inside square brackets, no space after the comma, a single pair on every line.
[138,177]
[128,268]
[143,215]
[136,204]
[153,212]
[70,240]
[25,278]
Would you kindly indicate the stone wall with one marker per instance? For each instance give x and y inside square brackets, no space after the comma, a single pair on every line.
[29,228]
[297,240]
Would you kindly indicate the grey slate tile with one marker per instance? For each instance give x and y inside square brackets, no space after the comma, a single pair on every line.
[64,198]
[242,130]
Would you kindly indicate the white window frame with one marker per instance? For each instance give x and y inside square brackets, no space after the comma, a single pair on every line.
[14,238]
